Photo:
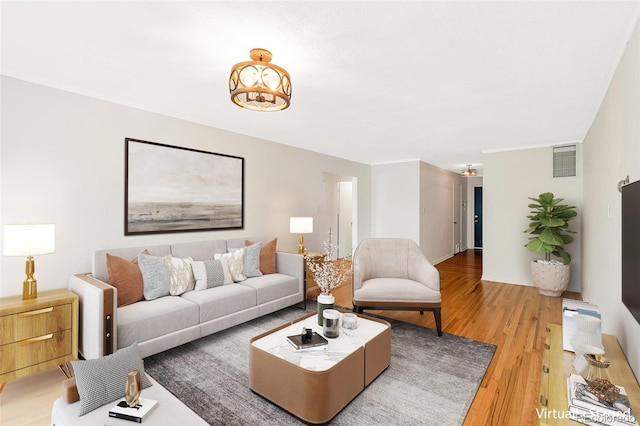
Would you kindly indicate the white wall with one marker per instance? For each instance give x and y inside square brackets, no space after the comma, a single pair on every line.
[395,200]
[437,190]
[611,152]
[62,159]
[415,200]
[509,179]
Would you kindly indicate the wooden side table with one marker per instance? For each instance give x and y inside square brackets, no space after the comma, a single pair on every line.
[37,334]
[557,365]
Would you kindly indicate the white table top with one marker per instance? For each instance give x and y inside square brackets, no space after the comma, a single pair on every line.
[326,357]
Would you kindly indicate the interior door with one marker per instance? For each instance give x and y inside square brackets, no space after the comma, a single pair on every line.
[477,217]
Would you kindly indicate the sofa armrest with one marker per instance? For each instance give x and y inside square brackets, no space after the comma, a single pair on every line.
[98,310]
[292,264]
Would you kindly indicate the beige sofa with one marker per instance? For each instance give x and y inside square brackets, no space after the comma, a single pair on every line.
[169,321]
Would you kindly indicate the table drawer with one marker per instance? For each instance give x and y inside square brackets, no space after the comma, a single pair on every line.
[34,323]
[36,350]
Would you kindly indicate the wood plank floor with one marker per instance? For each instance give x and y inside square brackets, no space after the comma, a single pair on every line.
[511,317]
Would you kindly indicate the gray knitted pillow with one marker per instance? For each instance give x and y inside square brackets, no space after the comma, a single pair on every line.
[102,380]
[208,274]
[156,280]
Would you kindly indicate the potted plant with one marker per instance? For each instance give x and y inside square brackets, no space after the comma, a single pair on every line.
[549,225]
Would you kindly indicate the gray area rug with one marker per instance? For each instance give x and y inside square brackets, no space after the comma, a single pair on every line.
[431,380]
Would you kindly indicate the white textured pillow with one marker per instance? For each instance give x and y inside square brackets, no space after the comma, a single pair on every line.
[251,259]
[210,273]
[235,261]
[102,380]
[181,275]
[155,276]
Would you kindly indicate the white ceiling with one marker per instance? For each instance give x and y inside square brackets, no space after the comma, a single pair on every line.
[373,82]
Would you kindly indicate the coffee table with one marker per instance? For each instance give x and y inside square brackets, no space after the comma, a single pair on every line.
[315,385]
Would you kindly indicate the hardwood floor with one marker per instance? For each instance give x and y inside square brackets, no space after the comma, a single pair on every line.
[509,316]
[512,317]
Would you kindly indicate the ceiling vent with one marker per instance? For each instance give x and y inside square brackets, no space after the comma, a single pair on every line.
[564,161]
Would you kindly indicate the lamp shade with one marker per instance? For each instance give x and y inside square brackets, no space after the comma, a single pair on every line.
[301,225]
[29,239]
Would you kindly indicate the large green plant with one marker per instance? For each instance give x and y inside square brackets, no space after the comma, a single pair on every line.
[550,226]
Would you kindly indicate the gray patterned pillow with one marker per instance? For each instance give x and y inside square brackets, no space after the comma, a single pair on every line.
[155,276]
[102,380]
[208,274]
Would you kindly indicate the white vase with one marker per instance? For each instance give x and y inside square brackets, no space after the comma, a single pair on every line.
[325,301]
[585,340]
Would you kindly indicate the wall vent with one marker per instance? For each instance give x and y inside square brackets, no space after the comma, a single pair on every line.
[564,161]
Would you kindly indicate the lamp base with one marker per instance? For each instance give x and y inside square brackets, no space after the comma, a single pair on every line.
[30,284]
[301,244]
[29,289]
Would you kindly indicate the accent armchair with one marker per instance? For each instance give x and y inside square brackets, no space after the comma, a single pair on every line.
[394,274]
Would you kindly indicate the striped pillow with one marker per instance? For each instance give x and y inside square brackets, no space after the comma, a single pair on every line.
[208,274]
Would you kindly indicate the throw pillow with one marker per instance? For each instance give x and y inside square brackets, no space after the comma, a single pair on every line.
[180,274]
[235,260]
[251,259]
[102,380]
[125,275]
[267,256]
[209,273]
[155,276]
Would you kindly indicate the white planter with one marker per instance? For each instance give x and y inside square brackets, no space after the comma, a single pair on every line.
[325,301]
[551,280]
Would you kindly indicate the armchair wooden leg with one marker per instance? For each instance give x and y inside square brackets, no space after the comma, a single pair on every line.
[437,315]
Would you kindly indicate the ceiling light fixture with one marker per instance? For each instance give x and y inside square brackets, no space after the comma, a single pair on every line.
[468,172]
[260,85]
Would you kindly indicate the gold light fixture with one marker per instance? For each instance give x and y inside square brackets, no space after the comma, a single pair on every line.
[29,240]
[260,85]
[301,225]
[468,172]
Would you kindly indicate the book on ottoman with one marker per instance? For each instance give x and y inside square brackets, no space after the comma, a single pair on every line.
[134,414]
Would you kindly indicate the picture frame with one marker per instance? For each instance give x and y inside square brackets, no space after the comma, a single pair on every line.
[176,189]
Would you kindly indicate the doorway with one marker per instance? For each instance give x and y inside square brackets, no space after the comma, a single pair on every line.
[477,217]
[341,213]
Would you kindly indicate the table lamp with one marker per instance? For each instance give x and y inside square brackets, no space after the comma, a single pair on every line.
[29,240]
[301,225]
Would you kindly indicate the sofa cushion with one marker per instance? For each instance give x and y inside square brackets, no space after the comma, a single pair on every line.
[125,275]
[199,250]
[220,301]
[267,256]
[397,290]
[102,380]
[209,273]
[251,259]
[99,260]
[181,275]
[272,286]
[153,318]
[155,276]
[235,260]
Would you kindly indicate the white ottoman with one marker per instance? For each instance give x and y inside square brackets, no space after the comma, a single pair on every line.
[169,412]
